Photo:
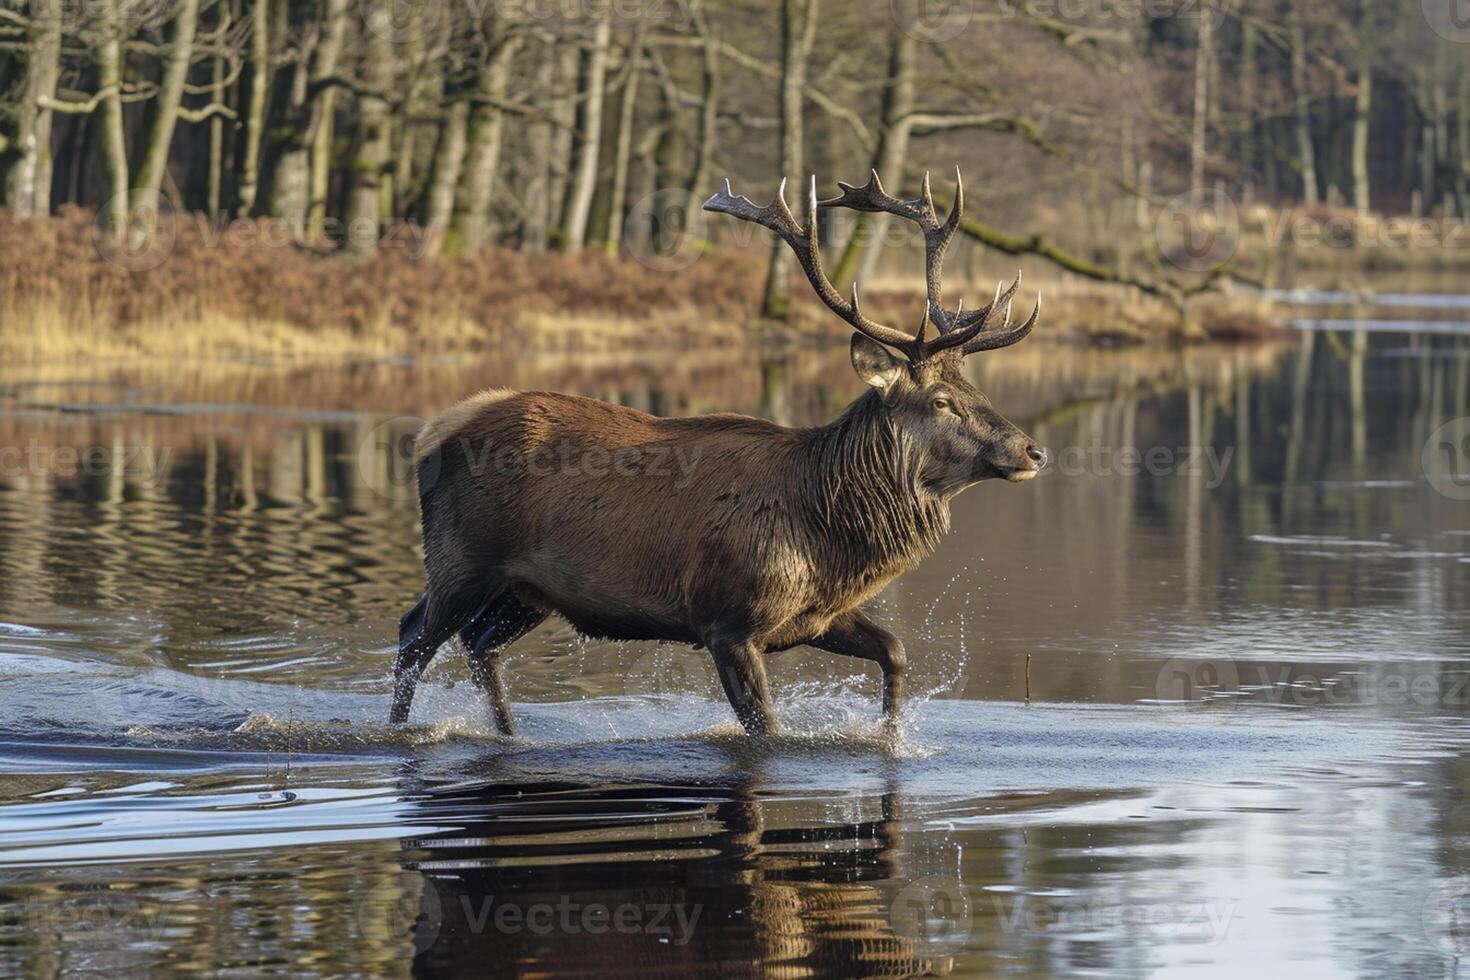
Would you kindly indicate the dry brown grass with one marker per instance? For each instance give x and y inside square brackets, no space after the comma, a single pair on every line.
[231,294]
[248,293]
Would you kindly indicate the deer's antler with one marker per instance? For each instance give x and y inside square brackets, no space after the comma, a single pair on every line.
[777,217]
[958,329]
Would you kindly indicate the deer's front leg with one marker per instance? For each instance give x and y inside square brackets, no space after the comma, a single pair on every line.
[855,635]
[743,676]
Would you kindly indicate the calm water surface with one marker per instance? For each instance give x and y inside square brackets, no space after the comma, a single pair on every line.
[1237,600]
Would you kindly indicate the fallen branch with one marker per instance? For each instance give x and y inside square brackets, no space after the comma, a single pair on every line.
[1036,245]
[204,112]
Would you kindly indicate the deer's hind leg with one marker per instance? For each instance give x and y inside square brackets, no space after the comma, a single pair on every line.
[498,624]
[431,621]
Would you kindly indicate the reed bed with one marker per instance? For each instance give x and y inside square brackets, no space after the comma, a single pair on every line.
[247,291]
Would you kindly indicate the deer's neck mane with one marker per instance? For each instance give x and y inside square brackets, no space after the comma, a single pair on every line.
[871,512]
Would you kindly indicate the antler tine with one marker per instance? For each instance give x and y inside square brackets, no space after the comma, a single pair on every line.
[911,347]
[953,338]
[936,244]
[928,198]
[982,316]
[777,217]
[872,198]
[971,336]
[1006,338]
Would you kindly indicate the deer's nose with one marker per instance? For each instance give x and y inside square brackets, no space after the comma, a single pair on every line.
[1037,455]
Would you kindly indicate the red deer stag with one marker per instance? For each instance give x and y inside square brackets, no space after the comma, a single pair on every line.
[536,503]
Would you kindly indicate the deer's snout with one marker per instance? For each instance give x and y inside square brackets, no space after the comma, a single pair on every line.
[1028,462]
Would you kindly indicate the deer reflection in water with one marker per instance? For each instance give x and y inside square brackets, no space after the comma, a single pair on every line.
[562,880]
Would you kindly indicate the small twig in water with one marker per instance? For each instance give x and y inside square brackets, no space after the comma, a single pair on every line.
[290,724]
[1028,679]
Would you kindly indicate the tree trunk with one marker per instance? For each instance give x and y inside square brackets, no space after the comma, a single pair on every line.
[1197,142]
[1462,134]
[564,124]
[866,243]
[372,146]
[584,184]
[260,69]
[25,144]
[536,226]
[214,180]
[401,188]
[444,175]
[1250,151]
[320,123]
[1363,113]
[1426,164]
[114,140]
[154,145]
[469,222]
[321,166]
[291,186]
[627,110]
[709,108]
[1306,157]
[1441,109]
[798,29]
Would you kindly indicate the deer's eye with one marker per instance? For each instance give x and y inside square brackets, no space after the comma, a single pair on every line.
[941,404]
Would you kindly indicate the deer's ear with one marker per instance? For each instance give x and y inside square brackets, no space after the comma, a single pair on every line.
[874,363]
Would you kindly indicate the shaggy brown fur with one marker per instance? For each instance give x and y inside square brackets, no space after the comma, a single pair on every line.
[724,531]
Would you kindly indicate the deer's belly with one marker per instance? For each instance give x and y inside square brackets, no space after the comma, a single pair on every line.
[607,614]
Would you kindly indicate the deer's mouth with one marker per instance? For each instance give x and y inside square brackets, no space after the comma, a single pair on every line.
[1018,474]
[1026,467]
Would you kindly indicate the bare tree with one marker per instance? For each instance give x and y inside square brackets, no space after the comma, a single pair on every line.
[114,139]
[1203,60]
[158,135]
[307,109]
[627,110]
[1362,108]
[1306,153]
[584,184]
[798,32]
[260,73]
[891,155]
[536,223]
[484,139]
[372,144]
[25,118]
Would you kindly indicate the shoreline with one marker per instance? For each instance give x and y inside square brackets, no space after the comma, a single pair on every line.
[65,296]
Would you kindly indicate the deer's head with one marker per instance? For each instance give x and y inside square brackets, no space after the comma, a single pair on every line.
[958,433]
